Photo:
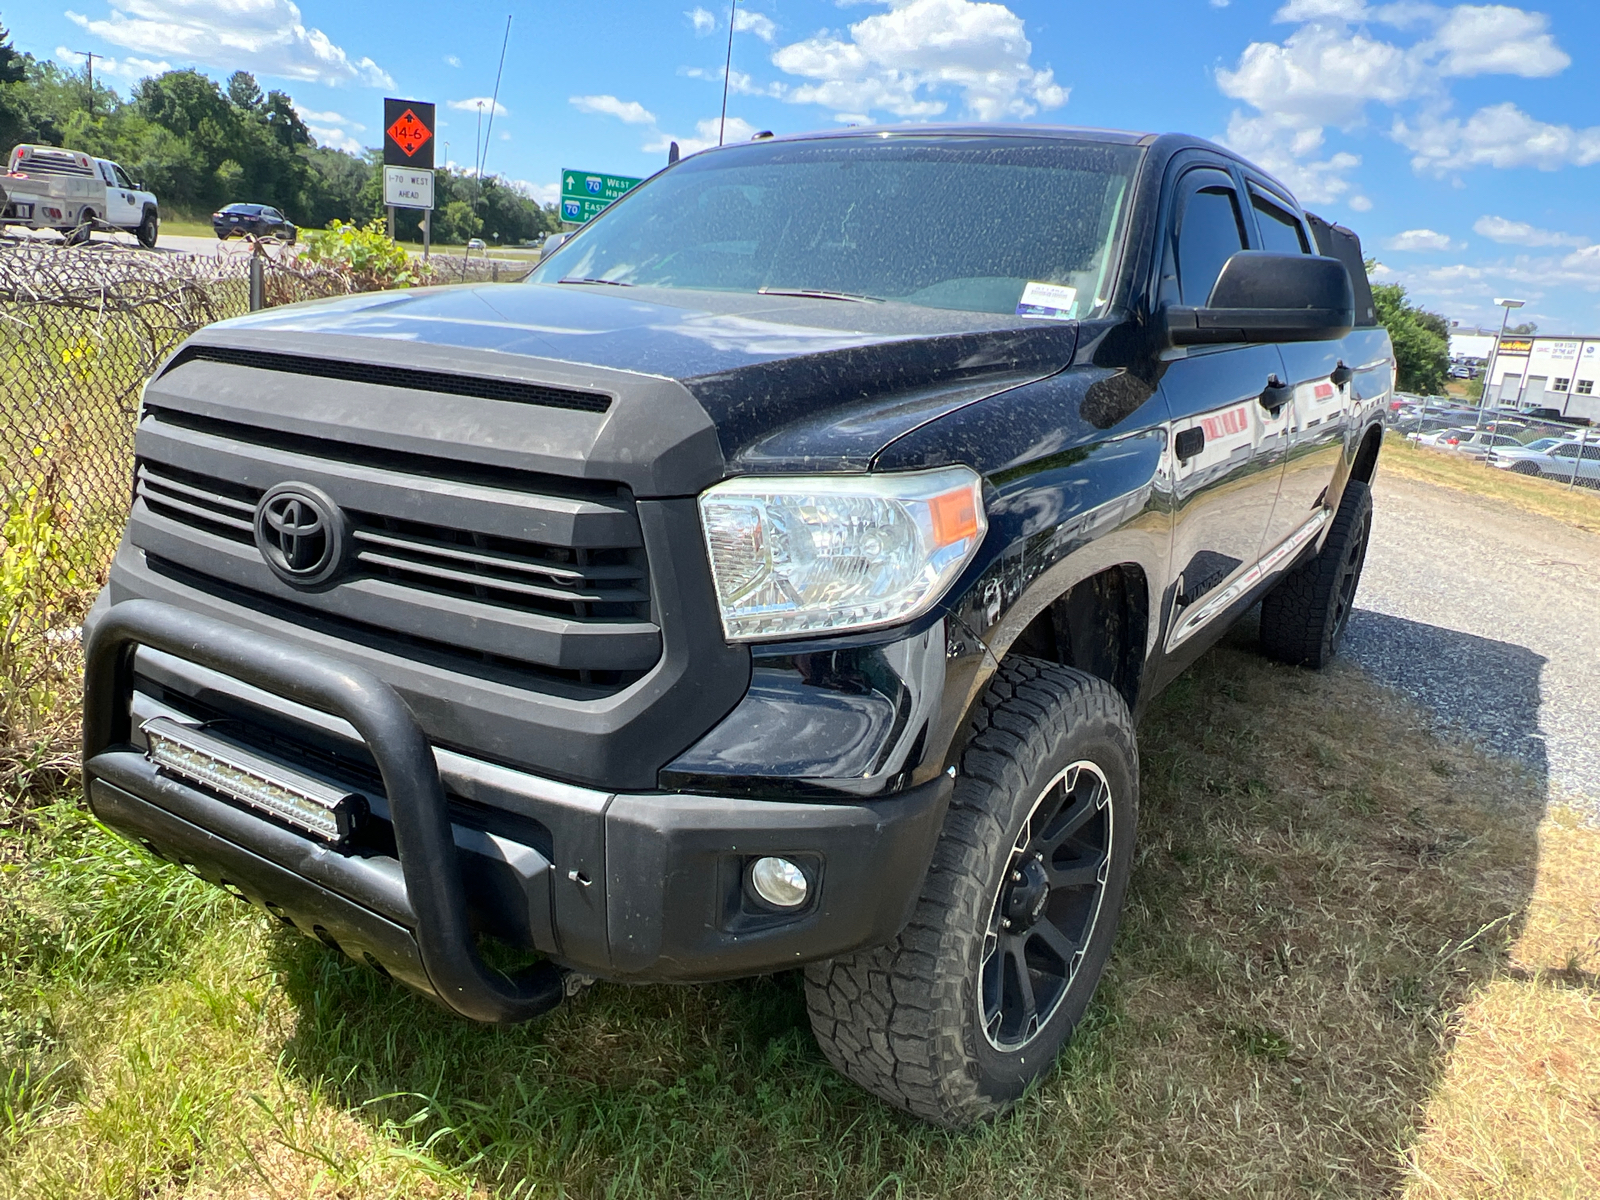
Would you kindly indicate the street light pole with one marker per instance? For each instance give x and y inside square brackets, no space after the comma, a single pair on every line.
[1494,357]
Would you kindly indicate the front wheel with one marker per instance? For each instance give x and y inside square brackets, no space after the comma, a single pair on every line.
[1303,618]
[974,1000]
[149,229]
[1526,468]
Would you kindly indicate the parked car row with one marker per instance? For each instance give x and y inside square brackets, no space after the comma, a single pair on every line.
[1571,459]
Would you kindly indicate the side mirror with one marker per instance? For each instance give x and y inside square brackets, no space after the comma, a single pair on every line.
[551,244]
[1263,297]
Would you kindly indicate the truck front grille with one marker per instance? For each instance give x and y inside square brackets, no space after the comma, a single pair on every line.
[607,582]
[495,567]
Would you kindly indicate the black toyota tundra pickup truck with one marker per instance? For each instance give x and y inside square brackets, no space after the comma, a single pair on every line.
[775,579]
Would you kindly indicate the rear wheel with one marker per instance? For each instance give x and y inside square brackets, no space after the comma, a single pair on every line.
[1303,618]
[82,231]
[973,1001]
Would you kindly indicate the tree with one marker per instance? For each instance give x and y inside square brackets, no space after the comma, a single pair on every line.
[1421,340]
[1525,329]
[244,92]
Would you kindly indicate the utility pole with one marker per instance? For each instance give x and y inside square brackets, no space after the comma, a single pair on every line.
[91,56]
[727,71]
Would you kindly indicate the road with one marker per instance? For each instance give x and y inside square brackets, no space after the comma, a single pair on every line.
[1490,618]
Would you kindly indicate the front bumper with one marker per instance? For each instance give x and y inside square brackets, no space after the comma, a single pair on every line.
[636,886]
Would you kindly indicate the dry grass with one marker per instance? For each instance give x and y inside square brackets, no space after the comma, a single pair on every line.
[1357,959]
[1575,506]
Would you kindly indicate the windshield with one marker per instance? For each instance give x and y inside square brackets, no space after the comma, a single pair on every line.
[996,225]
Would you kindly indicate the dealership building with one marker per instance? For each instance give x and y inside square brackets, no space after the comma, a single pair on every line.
[1538,371]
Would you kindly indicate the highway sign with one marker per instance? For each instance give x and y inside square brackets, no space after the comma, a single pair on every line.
[585,194]
[407,188]
[408,127]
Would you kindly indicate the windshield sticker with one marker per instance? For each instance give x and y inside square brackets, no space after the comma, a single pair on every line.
[1049,301]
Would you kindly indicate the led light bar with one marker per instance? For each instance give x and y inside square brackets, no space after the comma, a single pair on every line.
[310,805]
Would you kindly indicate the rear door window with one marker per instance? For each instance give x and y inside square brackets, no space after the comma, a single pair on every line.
[1280,230]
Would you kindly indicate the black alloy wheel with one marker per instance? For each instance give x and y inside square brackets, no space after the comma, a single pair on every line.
[1045,911]
[84,229]
[971,1003]
[1352,558]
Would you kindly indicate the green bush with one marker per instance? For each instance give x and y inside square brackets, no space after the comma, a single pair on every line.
[370,256]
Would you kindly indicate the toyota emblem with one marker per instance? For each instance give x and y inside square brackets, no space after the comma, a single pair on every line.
[300,532]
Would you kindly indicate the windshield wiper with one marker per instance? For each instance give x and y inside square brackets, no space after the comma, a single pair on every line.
[607,282]
[819,294]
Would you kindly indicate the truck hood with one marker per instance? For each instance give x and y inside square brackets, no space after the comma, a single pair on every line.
[702,384]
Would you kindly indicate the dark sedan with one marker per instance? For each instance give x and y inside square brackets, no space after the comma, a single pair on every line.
[258,220]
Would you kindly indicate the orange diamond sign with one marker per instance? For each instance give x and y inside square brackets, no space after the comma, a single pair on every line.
[409,133]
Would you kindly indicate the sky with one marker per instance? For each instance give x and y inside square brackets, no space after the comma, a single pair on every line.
[1462,142]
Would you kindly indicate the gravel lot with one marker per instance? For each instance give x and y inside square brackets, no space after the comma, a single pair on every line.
[1489,617]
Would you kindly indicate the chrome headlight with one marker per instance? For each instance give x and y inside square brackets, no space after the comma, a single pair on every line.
[822,554]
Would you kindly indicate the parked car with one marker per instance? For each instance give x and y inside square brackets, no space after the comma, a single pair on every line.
[253,220]
[788,598]
[75,194]
[1556,462]
[1447,437]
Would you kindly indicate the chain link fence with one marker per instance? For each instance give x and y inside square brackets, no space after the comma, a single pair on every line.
[81,329]
[1563,454]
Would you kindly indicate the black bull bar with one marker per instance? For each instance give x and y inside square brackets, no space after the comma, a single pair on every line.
[455,971]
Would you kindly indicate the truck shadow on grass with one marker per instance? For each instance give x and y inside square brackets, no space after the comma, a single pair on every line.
[1322,881]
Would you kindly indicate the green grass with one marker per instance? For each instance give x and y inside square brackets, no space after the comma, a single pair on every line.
[1318,930]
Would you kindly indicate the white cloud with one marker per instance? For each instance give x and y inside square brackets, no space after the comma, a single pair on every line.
[1501,135]
[657,140]
[702,21]
[487,103]
[1332,69]
[1321,75]
[1420,239]
[629,111]
[738,130]
[267,37]
[451,60]
[901,60]
[1360,203]
[746,21]
[130,68]
[1493,39]
[543,193]
[332,129]
[1317,10]
[1284,148]
[1520,233]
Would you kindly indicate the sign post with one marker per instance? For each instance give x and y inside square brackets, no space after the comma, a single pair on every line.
[408,129]
[586,194]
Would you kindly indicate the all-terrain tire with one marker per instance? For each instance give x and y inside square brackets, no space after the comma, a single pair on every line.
[149,229]
[1303,618]
[1526,468]
[908,1021]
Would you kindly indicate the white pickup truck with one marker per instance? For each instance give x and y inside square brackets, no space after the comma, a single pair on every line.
[75,194]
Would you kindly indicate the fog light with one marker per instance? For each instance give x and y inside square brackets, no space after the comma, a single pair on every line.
[779,882]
